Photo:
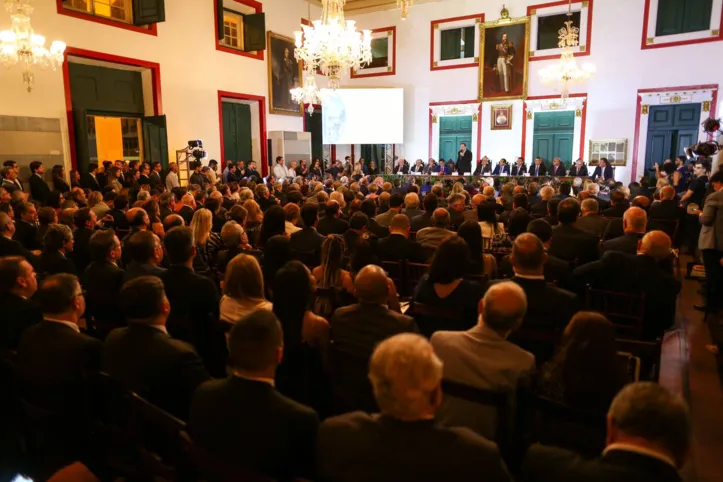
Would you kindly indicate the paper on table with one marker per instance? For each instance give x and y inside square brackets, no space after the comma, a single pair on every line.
[467,173]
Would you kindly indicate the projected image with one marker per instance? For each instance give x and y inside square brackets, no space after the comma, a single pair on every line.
[334,122]
[363,116]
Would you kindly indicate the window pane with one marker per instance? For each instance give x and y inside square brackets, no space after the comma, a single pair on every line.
[697,15]
[231,30]
[450,44]
[380,53]
[548,29]
[468,47]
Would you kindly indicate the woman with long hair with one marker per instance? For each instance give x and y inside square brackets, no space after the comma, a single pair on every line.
[481,262]
[207,242]
[154,215]
[74,178]
[315,170]
[493,231]
[276,254]
[332,275]
[243,289]
[254,217]
[273,224]
[586,372]
[59,182]
[444,286]
[113,179]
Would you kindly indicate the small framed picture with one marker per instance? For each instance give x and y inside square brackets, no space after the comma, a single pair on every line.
[501,117]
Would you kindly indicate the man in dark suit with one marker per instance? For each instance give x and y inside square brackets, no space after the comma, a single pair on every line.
[569,242]
[579,169]
[39,189]
[502,169]
[119,211]
[17,285]
[307,239]
[483,167]
[369,208]
[538,168]
[89,180]
[618,205]
[234,239]
[10,180]
[648,440]
[395,207]
[187,211]
[400,167]
[145,253]
[424,220]
[635,223]
[144,179]
[85,222]
[53,356]
[397,246]
[251,171]
[590,220]
[638,274]
[155,177]
[103,280]
[330,223]
[667,208]
[407,376]
[558,169]
[540,209]
[26,226]
[144,357]
[243,420]
[519,169]
[57,249]
[10,247]
[194,302]
[603,171]
[464,160]
[197,177]
[411,206]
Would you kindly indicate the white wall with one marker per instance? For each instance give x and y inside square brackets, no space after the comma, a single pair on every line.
[192,70]
[622,69]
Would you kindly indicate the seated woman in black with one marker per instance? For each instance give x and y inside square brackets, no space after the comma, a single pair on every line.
[444,287]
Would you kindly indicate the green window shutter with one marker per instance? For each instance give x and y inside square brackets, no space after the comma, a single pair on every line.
[697,15]
[670,17]
[254,32]
[242,113]
[450,44]
[469,39]
[155,140]
[219,19]
[229,133]
[146,12]
[683,16]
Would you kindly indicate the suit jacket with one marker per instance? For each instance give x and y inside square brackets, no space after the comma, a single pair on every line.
[555,271]
[401,170]
[120,221]
[432,237]
[593,223]
[135,270]
[358,447]
[569,243]
[412,213]
[54,262]
[331,225]
[145,180]
[614,229]
[481,171]
[711,233]
[627,243]
[224,257]
[633,274]
[81,248]
[456,218]
[26,234]
[52,361]
[541,171]
[17,314]
[419,169]
[607,174]
[539,209]
[164,371]
[665,210]
[551,464]
[186,212]
[464,162]
[10,186]
[10,247]
[575,172]
[39,189]
[308,239]
[385,219]
[396,248]
[102,282]
[155,180]
[421,221]
[87,181]
[558,170]
[194,315]
[616,211]
[249,423]
[501,170]
[518,170]
[480,358]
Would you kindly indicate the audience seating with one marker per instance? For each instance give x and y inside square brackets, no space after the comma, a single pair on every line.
[432,318]
[310,259]
[648,352]
[413,273]
[625,311]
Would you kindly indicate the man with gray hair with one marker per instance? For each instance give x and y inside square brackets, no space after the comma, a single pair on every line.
[235,240]
[411,206]
[483,358]
[404,442]
[433,236]
[591,221]
[635,222]
[648,440]
[540,209]
[9,246]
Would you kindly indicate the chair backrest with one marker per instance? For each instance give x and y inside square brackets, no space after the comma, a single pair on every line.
[568,427]
[626,311]
[430,318]
[648,352]
[413,273]
[396,270]
[500,401]
[668,226]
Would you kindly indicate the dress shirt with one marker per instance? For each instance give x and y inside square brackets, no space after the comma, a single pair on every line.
[64,322]
[172,180]
[160,328]
[530,276]
[642,451]
[269,381]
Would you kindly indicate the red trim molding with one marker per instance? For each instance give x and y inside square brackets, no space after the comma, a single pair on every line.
[456,102]
[636,137]
[261,100]
[431,118]
[644,42]
[352,153]
[151,30]
[259,55]
[583,126]
[588,37]
[333,154]
[394,56]
[154,67]
[480,16]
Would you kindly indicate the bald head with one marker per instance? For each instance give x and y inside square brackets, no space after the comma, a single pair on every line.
[478,199]
[635,220]
[656,244]
[187,199]
[489,191]
[400,224]
[667,193]
[370,285]
[528,255]
[440,218]
[641,202]
[503,307]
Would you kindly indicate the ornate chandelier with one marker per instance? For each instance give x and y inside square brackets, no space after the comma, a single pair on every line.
[566,71]
[404,5]
[332,44]
[21,45]
[308,94]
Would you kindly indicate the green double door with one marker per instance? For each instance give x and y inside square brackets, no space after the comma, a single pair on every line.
[553,136]
[236,132]
[453,131]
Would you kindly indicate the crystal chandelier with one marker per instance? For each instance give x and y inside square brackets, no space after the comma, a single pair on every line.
[404,5]
[566,71]
[21,45]
[308,94]
[332,44]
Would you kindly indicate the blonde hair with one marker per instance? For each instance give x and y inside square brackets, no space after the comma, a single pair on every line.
[243,278]
[253,210]
[201,224]
[458,188]
[94,198]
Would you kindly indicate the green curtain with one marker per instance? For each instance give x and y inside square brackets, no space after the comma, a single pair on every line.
[373,152]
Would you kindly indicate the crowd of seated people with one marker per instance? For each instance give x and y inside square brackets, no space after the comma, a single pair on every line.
[286,322]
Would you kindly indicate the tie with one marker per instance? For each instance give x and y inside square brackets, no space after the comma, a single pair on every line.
[537,170]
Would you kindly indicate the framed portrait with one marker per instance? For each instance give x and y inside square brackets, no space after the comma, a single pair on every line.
[504,59]
[614,150]
[384,49]
[501,117]
[285,73]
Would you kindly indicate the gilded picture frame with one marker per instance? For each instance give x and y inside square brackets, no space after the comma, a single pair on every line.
[501,117]
[503,84]
[284,73]
[614,150]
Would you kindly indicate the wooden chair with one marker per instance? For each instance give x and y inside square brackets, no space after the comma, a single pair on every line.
[648,352]
[413,273]
[625,311]
[395,270]
[431,318]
